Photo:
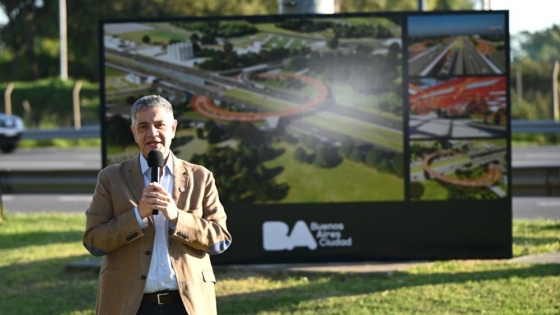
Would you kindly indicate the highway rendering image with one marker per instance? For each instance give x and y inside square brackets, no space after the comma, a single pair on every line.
[456,45]
[458,107]
[281,112]
[458,169]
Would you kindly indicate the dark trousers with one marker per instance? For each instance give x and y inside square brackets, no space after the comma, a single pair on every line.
[151,308]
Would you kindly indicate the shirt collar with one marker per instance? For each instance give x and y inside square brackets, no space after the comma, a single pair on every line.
[144,164]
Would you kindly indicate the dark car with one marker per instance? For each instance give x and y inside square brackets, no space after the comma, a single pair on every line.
[11,128]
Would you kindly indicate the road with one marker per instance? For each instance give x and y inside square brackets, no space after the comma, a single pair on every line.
[466,60]
[90,159]
[189,80]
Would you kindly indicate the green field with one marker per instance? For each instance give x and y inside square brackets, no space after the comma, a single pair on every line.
[269,103]
[434,190]
[34,248]
[345,95]
[271,28]
[349,181]
[308,90]
[194,146]
[370,133]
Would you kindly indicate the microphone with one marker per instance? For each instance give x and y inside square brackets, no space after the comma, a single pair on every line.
[155,161]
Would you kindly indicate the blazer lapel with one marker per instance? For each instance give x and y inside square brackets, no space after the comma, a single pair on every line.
[180,182]
[135,178]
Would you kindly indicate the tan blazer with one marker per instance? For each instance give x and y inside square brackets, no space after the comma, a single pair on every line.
[112,231]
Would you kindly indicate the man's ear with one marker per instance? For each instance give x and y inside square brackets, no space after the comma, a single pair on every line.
[174,127]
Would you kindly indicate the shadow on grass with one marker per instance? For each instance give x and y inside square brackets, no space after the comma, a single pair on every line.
[534,241]
[337,285]
[41,238]
[45,287]
[551,227]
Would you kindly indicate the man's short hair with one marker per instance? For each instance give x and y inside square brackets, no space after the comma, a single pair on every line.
[149,101]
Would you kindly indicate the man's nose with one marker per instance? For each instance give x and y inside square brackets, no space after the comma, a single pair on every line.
[153,131]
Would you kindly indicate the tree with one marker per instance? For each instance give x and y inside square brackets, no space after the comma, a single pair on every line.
[300,155]
[22,36]
[373,157]
[333,43]
[118,131]
[346,147]
[21,20]
[401,5]
[542,45]
[416,190]
[356,155]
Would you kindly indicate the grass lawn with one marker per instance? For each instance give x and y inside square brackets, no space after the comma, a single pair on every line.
[35,247]
[349,181]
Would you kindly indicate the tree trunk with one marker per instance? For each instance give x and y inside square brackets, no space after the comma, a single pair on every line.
[30,41]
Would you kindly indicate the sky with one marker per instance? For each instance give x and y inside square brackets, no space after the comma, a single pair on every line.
[524,15]
[528,15]
[456,24]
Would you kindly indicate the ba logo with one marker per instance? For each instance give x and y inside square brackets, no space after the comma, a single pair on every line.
[276,237]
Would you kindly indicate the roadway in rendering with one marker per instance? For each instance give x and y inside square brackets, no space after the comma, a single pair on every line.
[457,57]
[206,87]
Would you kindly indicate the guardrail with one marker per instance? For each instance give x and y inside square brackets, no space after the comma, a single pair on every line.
[517,126]
[59,181]
[535,126]
[63,133]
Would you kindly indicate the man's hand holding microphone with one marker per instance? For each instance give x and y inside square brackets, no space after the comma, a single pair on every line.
[154,197]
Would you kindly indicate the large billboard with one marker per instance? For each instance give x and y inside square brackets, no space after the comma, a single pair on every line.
[344,137]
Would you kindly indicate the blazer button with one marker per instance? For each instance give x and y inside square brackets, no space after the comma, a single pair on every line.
[143,277]
[148,252]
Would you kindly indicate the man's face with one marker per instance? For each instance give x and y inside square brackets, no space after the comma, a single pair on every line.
[154,129]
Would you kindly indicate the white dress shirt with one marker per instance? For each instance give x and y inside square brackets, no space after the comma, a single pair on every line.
[161,275]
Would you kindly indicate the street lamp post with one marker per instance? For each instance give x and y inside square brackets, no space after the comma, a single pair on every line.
[422,5]
[63,41]
[306,6]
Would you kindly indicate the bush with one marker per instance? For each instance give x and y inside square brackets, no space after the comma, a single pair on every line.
[50,101]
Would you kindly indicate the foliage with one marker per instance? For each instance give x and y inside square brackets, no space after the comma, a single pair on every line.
[243,178]
[531,74]
[31,25]
[117,131]
[219,29]
[50,102]
[22,32]
[60,143]
[541,45]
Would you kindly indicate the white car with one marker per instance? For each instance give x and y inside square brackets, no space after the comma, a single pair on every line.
[11,128]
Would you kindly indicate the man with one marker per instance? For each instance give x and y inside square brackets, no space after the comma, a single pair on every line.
[155,263]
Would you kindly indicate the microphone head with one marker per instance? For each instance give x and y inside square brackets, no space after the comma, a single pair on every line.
[155,158]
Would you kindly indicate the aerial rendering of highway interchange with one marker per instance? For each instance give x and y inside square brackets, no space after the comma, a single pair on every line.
[298,106]
[458,169]
[313,110]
